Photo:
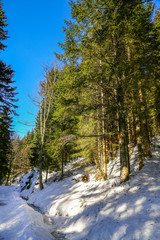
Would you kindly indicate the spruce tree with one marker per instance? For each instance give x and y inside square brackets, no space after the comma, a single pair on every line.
[108,46]
[3,24]
[7,102]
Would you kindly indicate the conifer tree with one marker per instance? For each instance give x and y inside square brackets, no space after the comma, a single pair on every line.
[106,99]
[107,45]
[7,101]
[3,24]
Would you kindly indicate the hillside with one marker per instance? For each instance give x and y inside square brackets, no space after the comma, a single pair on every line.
[97,210]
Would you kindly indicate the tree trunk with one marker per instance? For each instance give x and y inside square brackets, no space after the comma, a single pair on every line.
[139,143]
[99,159]
[124,156]
[40,176]
[62,165]
[40,166]
[123,138]
[46,174]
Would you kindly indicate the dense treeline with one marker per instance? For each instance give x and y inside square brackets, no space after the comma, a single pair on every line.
[105,100]
[7,106]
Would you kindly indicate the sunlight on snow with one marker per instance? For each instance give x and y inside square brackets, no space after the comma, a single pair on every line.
[79,226]
[122,208]
[140,201]
[12,222]
[120,233]
[154,188]
[133,189]
[108,211]
[148,229]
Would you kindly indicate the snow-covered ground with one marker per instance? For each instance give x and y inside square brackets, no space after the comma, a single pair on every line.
[18,221]
[91,210]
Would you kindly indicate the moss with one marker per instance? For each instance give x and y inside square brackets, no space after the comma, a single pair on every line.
[75,165]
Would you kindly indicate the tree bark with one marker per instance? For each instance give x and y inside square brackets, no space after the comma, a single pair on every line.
[123,138]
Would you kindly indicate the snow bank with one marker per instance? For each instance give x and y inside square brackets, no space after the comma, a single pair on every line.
[28,184]
[106,210]
[18,220]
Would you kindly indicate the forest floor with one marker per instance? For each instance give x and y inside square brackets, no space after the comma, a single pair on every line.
[77,210]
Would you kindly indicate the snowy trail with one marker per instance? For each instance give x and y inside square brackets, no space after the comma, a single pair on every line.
[18,221]
[94,211]
[87,211]
[134,213]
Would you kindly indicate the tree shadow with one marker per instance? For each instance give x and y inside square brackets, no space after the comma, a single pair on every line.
[131,213]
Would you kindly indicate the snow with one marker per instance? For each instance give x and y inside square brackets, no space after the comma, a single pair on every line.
[93,210]
[28,184]
[18,221]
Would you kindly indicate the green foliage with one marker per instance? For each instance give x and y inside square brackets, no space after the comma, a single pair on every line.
[21,153]
[3,24]
[7,106]
[83,203]
[106,96]
[75,165]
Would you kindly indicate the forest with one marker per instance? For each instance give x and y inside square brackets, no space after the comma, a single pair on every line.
[99,101]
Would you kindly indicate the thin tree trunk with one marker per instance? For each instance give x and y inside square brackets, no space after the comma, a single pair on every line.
[130,137]
[9,173]
[46,174]
[139,143]
[62,165]
[46,94]
[123,138]
[124,161]
[99,159]
[40,167]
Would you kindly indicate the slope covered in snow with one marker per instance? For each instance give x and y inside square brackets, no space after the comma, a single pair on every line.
[18,221]
[106,210]
[91,210]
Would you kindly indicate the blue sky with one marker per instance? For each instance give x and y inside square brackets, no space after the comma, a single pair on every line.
[34,27]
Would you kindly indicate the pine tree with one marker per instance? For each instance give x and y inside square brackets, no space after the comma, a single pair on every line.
[107,45]
[7,109]
[105,100]
[155,94]
[3,23]
[7,102]
[5,143]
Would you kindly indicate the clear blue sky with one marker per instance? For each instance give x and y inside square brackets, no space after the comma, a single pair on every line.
[34,27]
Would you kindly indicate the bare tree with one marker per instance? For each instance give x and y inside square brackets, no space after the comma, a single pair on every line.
[46,91]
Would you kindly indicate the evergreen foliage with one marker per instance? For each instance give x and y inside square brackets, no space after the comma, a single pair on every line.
[3,23]
[106,99]
[7,106]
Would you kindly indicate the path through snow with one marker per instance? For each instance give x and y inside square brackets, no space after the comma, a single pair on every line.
[94,211]
[88,211]
[18,221]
